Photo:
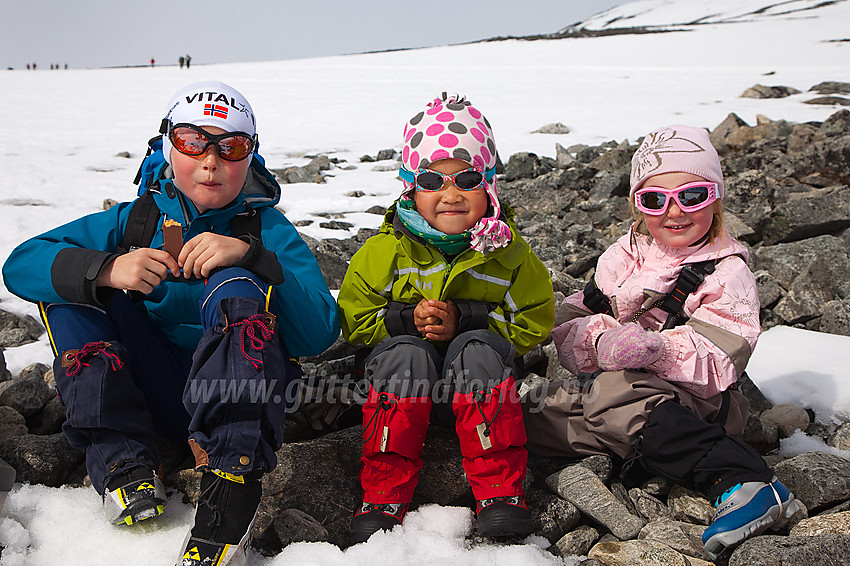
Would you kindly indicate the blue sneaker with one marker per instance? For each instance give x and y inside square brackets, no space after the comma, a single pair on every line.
[747,510]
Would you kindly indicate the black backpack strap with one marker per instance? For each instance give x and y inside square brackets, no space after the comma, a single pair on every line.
[141,224]
[595,300]
[246,223]
[690,278]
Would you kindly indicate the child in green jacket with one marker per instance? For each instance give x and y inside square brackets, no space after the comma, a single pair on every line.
[448,296]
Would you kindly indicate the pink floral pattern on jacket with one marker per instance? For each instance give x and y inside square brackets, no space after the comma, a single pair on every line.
[634,269]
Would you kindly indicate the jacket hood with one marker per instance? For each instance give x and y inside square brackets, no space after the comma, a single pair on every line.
[260,190]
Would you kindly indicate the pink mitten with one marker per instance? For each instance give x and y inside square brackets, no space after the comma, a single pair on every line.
[628,347]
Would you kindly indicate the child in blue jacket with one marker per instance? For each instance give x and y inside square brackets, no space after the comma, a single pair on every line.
[189,335]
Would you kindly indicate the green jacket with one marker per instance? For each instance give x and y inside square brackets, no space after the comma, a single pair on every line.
[395,266]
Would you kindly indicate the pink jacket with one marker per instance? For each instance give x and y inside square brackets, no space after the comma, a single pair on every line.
[704,356]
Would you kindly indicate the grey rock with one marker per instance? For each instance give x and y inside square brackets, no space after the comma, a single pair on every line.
[788,418]
[758,402]
[769,289]
[831,87]
[5,374]
[830,524]
[294,525]
[763,436]
[26,396]
[815,287]
[588,154]
[318,163]
[762,91]
[817,479]
[657,487]
[637,552]
[385,154]
[46,460]
[52,417]
[802,136]
[600,464]
[787,261]
[616,162]
[823,550]
[553,128]
[551,515]
[36,371]
[718,135]
[563,157]
[622,495]
[649,507]
[841,439]
[838,123]
[336,225]
[689,506]
[17,330]
[836,317]
[380,210]
[684,538]
[525,165]
[829,101]
[11,337]
[575,543]
[809,214]
[581,487]
[12,423]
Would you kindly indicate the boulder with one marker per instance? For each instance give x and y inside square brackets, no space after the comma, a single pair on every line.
[823,550]
[817,479]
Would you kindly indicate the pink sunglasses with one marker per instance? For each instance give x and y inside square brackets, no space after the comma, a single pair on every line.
[690,197]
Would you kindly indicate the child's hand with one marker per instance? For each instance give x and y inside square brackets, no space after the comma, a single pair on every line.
[628,347]
[139,270]
[206,251]
[436,320]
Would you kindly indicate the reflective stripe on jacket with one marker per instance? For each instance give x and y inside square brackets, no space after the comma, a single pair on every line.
[396,266]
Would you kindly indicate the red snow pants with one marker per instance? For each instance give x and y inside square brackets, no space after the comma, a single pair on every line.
[477,378]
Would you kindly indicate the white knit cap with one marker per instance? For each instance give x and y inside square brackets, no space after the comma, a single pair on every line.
[209,103]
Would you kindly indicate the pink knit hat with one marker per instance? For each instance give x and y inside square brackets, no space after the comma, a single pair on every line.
[451,128]
[676,149]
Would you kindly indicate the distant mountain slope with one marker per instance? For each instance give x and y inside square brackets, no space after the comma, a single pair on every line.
[660,15]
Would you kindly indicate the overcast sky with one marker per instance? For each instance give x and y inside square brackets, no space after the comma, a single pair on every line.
[102,33]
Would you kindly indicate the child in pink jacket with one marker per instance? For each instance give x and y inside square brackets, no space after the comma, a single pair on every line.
[657,356]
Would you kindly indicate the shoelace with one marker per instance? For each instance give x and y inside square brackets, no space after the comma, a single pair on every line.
[211,499]
[385,404]
[79,360]
[248,328]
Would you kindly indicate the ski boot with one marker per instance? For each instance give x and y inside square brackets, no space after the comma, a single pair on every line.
[133,496]
[224,519]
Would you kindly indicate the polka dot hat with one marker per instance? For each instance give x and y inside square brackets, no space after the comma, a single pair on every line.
[451,128]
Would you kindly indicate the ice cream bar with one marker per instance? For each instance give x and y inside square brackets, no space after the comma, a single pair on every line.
[172,235]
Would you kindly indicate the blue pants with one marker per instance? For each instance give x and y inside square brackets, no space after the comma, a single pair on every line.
[134,384]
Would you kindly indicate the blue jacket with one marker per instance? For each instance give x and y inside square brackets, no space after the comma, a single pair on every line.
[62,265]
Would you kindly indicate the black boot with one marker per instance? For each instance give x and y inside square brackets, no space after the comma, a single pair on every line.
[503,517]
[227,508]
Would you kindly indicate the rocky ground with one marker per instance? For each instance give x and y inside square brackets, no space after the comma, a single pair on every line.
[787,199]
